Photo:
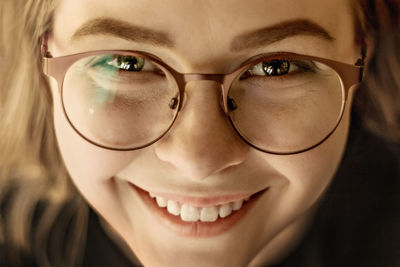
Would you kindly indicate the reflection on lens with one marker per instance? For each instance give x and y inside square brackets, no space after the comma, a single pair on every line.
[285,110]
[120,101]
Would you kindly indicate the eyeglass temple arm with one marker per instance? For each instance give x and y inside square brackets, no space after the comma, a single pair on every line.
[361,62]
[44,46]
[52,70]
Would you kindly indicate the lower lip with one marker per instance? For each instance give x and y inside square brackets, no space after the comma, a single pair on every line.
[197,229]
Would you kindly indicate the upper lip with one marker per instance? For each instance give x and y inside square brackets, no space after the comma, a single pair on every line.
[202,201]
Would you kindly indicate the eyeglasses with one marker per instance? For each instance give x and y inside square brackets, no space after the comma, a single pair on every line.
[282,103]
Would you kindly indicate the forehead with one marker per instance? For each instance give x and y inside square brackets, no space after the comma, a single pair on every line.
[208,26]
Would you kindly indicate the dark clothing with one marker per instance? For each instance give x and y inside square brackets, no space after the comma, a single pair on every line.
[357,224]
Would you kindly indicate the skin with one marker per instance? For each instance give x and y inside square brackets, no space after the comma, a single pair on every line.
[202,32]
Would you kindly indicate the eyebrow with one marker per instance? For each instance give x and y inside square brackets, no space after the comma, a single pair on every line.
[124,30]
[271,34]
[250,40]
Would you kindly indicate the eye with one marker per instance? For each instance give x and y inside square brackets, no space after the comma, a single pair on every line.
[276,67]
[279,68]
[127,63]
[123,63]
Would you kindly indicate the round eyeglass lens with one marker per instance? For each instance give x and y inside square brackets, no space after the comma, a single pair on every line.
[120,101]
[286,105]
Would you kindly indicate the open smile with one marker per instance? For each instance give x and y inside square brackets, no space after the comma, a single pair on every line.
[198,217]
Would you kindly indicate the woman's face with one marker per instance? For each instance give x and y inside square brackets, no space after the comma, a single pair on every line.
[202,162]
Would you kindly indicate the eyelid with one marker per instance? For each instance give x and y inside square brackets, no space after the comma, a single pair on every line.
[270,56]
[293,58]
[260,56]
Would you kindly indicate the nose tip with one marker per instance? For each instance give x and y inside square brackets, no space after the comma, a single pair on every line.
[201,142]
[199,162]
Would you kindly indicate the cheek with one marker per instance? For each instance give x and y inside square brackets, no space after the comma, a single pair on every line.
[91,168]
[309,174]
[82,159]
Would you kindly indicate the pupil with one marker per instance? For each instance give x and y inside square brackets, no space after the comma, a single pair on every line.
[276,67]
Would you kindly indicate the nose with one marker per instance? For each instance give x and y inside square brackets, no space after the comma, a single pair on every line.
[201,142]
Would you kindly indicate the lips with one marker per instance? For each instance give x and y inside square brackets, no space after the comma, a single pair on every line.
[198,217]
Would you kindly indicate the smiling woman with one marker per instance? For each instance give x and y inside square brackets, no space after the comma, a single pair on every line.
[199,133]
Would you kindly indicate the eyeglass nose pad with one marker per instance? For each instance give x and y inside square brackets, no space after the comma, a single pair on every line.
[173,103]
[231,104]
[227,105]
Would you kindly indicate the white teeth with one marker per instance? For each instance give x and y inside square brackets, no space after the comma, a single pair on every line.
[189,213]
[173,208]
[209,214]
[225,210]
[162,202]
[237,205]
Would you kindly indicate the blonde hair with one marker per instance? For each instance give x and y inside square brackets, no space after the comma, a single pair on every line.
[32,173]
[31,168]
